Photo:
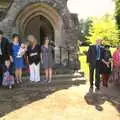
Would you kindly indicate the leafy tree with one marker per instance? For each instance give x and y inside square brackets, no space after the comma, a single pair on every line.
[84,30]
[117,14]
[104,28]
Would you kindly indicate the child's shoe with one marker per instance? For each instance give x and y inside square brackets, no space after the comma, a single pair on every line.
[10,87]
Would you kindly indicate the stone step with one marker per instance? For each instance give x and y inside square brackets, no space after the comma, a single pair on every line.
[70,81]
[55,83]
[66,78]
[58,82]
[63,73]
[67,75]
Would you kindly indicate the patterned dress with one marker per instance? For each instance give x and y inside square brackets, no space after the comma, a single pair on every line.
[8,78]
[47,57]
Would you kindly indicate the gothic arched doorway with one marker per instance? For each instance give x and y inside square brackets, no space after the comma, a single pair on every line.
[40,27]
[41,20]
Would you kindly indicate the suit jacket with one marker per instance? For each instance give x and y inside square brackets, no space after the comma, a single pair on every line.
[92,53]
[33,54]
[5,49]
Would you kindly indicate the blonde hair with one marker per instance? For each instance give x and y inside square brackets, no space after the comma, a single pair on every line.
[32,38]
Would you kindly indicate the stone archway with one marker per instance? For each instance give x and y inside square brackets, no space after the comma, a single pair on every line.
[41,18]
[49,14]
[64,24]
[43,28]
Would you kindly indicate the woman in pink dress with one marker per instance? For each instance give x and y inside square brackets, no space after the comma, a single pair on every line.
[116,66]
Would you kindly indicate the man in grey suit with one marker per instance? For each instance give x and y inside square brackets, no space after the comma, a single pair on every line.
[94,59]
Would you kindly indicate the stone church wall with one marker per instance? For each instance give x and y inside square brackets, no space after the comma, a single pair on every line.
[67,35]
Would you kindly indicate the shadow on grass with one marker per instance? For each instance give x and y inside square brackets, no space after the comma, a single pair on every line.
[27,93]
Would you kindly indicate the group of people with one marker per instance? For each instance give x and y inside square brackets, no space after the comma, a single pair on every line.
[16,55]
[105,65]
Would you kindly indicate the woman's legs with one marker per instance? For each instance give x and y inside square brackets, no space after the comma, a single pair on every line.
[17,75]
[46,74]
[20,75]
[32,72]
[37,72]
[105,79]
[50,74]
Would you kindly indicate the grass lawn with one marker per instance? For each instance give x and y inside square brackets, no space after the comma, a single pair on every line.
[82,58]
[84,65]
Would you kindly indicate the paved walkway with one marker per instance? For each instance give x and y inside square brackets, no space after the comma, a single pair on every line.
[59,102]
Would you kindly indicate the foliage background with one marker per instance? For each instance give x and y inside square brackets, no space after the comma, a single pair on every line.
[104,28]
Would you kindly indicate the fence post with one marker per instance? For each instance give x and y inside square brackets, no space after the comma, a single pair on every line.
[68,56]
[60,55]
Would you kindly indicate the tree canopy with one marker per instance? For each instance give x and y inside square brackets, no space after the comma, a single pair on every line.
[104,28]
[117,13]
[84,30]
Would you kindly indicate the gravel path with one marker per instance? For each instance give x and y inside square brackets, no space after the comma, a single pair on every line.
[59,102]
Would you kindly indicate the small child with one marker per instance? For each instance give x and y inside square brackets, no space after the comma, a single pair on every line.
[8,79]
[22,50]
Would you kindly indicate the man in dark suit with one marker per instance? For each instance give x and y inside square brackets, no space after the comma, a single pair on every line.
[4,50]
[94,59]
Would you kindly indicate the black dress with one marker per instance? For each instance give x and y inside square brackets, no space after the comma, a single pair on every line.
[106,55]
[33,54]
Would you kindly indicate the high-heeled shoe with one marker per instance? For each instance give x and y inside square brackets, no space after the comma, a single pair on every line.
[17,82]
[21,81]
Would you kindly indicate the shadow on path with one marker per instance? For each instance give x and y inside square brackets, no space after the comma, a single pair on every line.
[20,96]
[111,95]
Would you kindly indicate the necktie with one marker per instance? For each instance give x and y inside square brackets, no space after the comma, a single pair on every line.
[0,49]
[98,52]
